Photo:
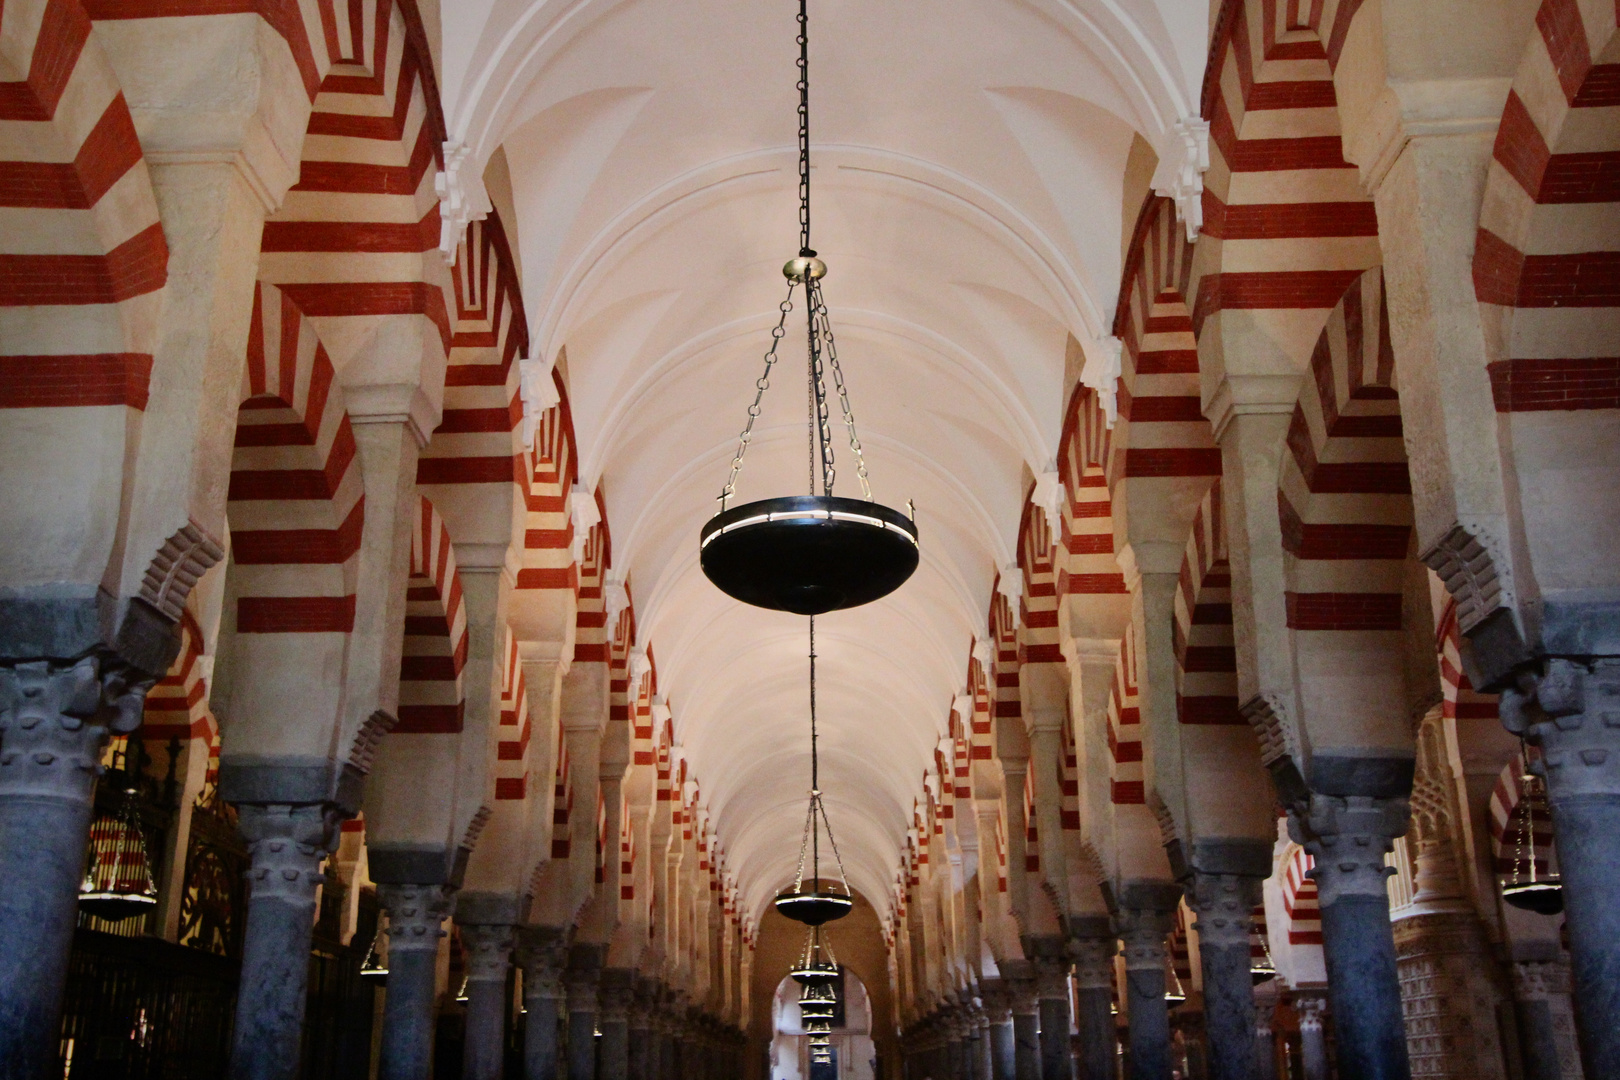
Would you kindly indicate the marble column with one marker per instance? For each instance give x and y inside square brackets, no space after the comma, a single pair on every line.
[1265,1042]
[643,1039]
[543,952]
[286,845]
[1546,1020]
[1052,988]
[999,1017]
[615,994]
[416,915]
[487,950]
[668,1060]
[1348,837]
[1312,1037]
[984,1067]
[583,975]
[1572,711]
[1142,926]
[1093,955]
[1026,1030]
[55,718]
[1224,903]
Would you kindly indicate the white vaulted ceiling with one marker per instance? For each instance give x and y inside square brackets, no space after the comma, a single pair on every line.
[969,161]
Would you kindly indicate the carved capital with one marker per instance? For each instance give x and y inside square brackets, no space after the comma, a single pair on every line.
[1348,836]
[1572,711]
[1537,980]
[1311,1009]
[1142,930]
[1224,904]
[543,952]
[487,950]
[1093,962]
[287,845]
[614,998]
[55,719]
[416,915]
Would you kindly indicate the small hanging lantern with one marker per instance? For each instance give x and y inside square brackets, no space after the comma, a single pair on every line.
[375,967]
[118,881]
[1261,967]
[816,966]
[1530,888]
[461,995]
[820,902]
[808,554]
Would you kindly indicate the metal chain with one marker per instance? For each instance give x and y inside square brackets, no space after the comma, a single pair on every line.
[818,311]
[762,384]
[820,418]
[804,131]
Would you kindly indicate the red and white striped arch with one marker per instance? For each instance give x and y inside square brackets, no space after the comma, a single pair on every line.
[1344,500]
[177,705]
[1287,226]
[1206,658]
[1127,783]
[512,747]
[83,261]
[1300,901]
[1546,263]
[432,700]
[296,503]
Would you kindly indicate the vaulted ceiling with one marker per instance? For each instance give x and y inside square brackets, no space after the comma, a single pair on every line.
[969,198]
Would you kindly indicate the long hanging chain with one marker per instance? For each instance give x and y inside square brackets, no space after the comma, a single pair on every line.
[762,384]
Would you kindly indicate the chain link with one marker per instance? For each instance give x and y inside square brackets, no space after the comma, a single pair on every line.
[762,384]
[818,311]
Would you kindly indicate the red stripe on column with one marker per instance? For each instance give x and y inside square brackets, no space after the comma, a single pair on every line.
[470,470]
[356,178]
[1581,178]
[1278,155]
[375,237]
[1520,147]
[133,268]
[1279,221]
[1173,461]
[373,298]
[429,719]
[1565,35]
[1344,611]
[1555,385]
[1302,94]
[62,34]
[37,382]
[1210,710]
[294,614]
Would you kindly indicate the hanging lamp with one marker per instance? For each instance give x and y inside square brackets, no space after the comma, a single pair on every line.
[1174,992]
[1261,967]
[118,882]
[1532,891]
[816,965]
[815,902]
[814,553]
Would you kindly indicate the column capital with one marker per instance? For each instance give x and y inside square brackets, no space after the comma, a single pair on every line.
[1571,709]
[56,716]
[416,915]
[1348,836]
[543,952]
[487,949]
[1093,958]
[615,995]
[1143,929]
[1312,1007]
[286,845]
[1537,980]
[1224,904]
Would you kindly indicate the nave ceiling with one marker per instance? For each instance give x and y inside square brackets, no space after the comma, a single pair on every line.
[969,172]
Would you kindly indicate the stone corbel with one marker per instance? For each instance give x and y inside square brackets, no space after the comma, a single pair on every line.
[1183,160]
[462,198]
[1104,363]
[1048,495]
[537,388]
[1010,584]
[583,515]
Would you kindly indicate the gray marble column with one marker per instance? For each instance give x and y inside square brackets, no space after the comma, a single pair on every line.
[543,953]
[1541,1001]
[487,950]
[1312,1038]
[668,1055]
[999,1018]
[582,975]
[1051,962]
[1026,1030]
[1224,904]
[1265,1041]
[985,1051]
[55,718]
[286,845]
[1348,837]
[1146,913]
[416,915]
[1572,711]
[1092,951]
[615,994]
[643,1036]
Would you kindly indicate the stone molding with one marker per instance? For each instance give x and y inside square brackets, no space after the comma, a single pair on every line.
[1571,710]
[487,950]
[286,845]
[56,717]
[1093,962]
[1225,906]
[416,915]
[1348,836]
